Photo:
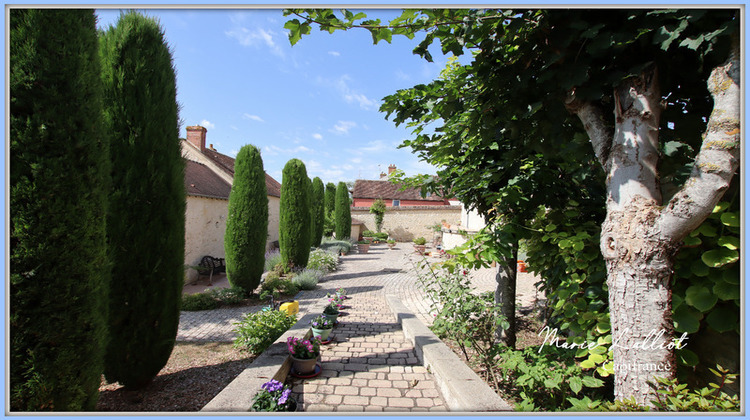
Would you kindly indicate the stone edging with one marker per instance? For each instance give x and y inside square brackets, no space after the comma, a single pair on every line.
[273,363]
[462,389]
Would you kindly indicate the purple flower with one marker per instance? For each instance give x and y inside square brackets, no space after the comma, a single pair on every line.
[272,385]
[284,396]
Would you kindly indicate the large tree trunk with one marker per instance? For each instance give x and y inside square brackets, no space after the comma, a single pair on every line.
[505,296]
[640,236]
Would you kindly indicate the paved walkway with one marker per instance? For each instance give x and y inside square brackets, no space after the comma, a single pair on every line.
[369,365]
[387,271]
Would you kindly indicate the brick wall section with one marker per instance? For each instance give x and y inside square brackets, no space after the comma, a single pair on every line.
[408,222]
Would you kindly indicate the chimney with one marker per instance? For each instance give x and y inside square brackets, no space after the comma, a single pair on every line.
[196,135]
[383,175]
[391,169]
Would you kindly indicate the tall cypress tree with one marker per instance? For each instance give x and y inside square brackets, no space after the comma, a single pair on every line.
[146,222]
[318,210]
[330,198]
[247,222]
[343,212]
[59,173]
[329,223]
[294,214]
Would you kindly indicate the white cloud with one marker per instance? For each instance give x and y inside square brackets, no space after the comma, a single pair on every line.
[252,117]
[352,96]
[255,38]
[233,127]
[317,136]
[233,153]
[355,160]
[334,53]
[207,124]
[275,150]
[343,127]
[401,75]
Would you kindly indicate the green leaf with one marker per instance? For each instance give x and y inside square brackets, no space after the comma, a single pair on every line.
[719,257]
[726,291]
[576,384]
[700,298]
[731,274]
[591,382]
[699,268]
[686,319]
[691,241]
[686,357]
[723,318]
[731,242]
[602,327]
[731,219]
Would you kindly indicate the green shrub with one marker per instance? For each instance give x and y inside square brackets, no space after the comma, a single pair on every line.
[343,213]
[276,286]
[317,200]
[58,181]
[368,234]
[199,302]
[259,330]
[146,224]
[247,221]
[307,279]
[336,246]
[273,259]
[382,236]
[294,215]
[323,260]
[229,295]
[420,241]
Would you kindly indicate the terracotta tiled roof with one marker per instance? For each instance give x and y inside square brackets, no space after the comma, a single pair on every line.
[388,191]
[273,187]
[203,182]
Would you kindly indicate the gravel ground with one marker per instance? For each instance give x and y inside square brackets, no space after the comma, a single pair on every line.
[194,374]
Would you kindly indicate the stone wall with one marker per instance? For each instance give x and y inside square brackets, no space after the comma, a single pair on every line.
[408,222]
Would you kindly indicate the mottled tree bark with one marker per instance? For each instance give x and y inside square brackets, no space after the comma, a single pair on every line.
[641,235]
[505,296]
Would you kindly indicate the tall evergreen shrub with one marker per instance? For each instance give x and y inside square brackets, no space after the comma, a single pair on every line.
[318,210]
[294,217]
[146,222]
[343,212]
[59,170]
[247,222]
[329,213]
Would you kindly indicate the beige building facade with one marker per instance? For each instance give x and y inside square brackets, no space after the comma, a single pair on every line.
[208,182]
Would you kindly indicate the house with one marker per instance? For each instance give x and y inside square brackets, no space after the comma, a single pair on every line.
[208,181]
[408,214]
[365,193]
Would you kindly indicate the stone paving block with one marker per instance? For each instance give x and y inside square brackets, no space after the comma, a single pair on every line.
[379,401]
[356,400]
[378,383]
[388,392]
[333,399]
[401,402]
[350,408]
[368,392]
[347,390]
[339,381]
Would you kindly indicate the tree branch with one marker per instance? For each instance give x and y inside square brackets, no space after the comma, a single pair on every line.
[592,117]
[716,162]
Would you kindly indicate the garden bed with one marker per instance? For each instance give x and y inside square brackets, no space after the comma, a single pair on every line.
[194,374]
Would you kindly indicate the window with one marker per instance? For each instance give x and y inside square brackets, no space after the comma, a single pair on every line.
[396,203]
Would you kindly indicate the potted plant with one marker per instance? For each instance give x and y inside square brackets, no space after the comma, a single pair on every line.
[331,312]
[274,396]
[419,244]
[391,243]
[368,235]
[341,293]
[304,354]
[363,246]
[321,327]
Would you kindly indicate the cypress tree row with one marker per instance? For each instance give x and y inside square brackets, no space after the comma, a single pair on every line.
[247,222]
[343,212]
[294,214]
[318,210]
[146,222]
[59,169]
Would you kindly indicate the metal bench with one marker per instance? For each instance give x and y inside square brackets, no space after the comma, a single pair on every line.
[211,265]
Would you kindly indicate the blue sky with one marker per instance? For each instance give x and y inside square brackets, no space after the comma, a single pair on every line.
[238,76]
